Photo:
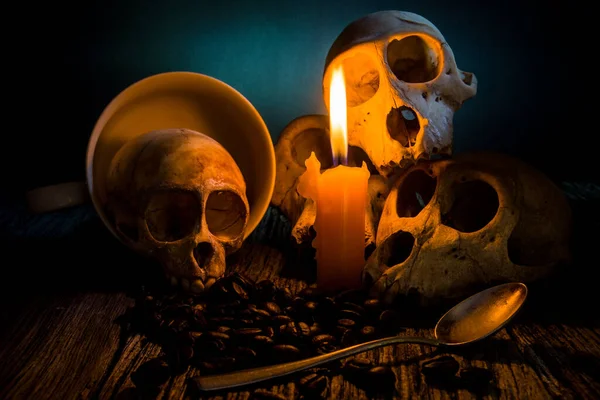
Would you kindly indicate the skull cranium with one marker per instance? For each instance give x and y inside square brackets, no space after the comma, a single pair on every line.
[177,195]
[450,226]
[402,86]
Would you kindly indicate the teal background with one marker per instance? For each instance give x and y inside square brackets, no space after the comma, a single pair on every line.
[68,61]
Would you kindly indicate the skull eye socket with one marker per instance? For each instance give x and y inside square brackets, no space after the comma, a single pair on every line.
[172,215]
[474,205]
[413,60]
[415,193]
[362,79]
[225,214]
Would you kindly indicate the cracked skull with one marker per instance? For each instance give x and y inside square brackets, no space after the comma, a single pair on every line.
[402,85]
[178,196]
[451,226]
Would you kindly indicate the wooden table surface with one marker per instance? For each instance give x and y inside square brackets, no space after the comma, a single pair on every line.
[66,282]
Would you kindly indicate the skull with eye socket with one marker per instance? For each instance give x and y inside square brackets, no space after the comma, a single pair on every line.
[451,227]
[403,87]
[178,196]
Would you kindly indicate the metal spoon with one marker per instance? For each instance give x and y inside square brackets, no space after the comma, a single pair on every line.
[471,320]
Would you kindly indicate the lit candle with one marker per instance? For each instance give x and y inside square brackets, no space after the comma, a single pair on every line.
[340,195]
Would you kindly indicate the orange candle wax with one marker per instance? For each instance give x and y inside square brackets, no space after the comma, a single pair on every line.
[340,195]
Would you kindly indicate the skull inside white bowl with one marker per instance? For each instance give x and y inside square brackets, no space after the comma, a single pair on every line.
[451,226]
[402,86]
[178,196]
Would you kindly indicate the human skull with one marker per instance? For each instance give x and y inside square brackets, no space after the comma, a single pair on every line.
[402,87]
[306,134]
[451,226]
[178,196]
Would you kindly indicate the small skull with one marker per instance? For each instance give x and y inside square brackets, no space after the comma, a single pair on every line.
[178,196]
[301,137]
[451,226]
[402,86]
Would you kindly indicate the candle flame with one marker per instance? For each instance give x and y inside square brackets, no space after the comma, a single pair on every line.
[338,125]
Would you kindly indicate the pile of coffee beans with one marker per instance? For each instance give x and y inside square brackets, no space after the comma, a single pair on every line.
[239,324]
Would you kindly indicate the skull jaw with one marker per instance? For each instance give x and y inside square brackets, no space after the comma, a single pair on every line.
[196,269]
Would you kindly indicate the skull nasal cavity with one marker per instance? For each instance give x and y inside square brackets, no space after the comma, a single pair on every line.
[226,215]
[413,60]
[403,125]
[414,193]
[203,253]
[475,203]
[398,248]
[172,215]
[310,140]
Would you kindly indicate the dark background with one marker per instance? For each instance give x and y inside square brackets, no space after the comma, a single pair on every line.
[67,61]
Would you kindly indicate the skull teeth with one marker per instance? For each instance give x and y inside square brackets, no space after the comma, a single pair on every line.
[193,285]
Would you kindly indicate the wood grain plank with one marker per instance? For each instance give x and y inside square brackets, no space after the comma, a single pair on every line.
[67,348]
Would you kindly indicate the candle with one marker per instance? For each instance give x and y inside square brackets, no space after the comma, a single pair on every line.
[340,196]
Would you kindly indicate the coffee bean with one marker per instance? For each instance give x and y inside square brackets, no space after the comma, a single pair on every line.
[272,308]
[326,307]
[245,353]
[350,314]
[216,335]
[347,323]
[311,307]
[281,319]
[239,291]
[186,352]
[367,332]
[196,335]
[263,394]
[207,367]
[283,296]
[286,351]
[440,367]
[327,347]
[359,363]
[211,347]
[314,385]
[269,331]
[308,293]
[258,312]
[290,330]
[315,329]
[245,332]
[303,329]
[323,339]
[199,307]
[298,303]
[265,290]
[224,329]
[359,310]
[262,341]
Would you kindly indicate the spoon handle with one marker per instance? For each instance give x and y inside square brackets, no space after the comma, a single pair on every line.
[248,376]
